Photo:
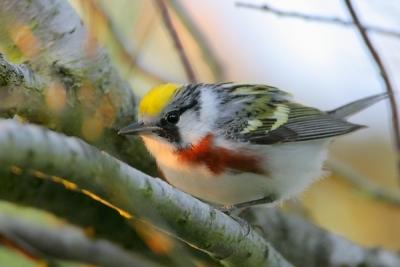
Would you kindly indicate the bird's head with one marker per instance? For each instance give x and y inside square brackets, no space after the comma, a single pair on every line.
[169,113]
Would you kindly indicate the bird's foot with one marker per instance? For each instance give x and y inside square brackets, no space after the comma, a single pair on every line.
[230,210]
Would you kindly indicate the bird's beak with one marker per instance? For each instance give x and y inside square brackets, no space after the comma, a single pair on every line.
[138,128]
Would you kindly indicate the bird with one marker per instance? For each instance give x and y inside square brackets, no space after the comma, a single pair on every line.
[237,145]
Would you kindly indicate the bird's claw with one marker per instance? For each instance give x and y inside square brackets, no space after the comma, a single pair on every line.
[228,209]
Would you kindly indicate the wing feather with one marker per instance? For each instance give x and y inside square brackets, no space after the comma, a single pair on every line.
[269,117]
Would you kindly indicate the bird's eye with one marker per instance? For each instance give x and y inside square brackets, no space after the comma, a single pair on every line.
[172,117]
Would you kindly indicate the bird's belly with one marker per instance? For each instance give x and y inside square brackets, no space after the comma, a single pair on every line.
[290,168]
[224,189]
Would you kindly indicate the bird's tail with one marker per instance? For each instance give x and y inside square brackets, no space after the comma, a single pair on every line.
[356,106]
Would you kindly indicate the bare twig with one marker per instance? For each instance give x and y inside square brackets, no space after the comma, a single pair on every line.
[363,183]
[385,77]
[201,40]
[145,24]
[317,18]
[123,49]
[177,41]
[363,31]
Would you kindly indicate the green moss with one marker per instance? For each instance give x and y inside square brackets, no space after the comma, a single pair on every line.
[147,190]
[9,74]
[182,220]
[70,78]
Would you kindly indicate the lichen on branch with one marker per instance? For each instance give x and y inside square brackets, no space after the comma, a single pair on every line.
[67,81]
[192,221]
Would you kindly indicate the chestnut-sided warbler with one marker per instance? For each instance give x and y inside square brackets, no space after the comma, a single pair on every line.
[238,144]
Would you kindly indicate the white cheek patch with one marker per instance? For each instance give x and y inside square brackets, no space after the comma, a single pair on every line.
[192,125]
[191,128]
[209,106]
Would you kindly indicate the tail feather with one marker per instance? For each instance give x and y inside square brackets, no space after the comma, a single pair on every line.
[356,106]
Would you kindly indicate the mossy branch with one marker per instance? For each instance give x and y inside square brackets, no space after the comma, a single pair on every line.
[227,240]
[43,235]
[192,221]
[307,245]
[14,75]
[67,83]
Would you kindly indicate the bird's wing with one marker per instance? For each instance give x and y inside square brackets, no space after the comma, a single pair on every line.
[267,117]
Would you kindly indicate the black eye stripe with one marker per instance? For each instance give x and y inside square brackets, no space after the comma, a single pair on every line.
[189,106]
[178,113]
[168,122]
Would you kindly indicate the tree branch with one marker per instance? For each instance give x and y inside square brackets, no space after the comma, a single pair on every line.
[192,221]
[374,53]
[78,93]
[44,235]
[385,78]
[316,18]
[177,41]
[124,52]
[307,245]
[19,75]
[201,40]
[21,81]
[183,216]
[363,183]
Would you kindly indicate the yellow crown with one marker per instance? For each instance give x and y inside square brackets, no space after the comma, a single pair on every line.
[157,99]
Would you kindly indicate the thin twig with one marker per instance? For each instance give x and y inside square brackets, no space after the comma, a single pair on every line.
[123,49]
[363,183]
[177,41]
[146,22]
[201,40]
[317,18]
[385,77]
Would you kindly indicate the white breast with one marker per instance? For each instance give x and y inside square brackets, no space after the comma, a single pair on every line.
[292,167]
